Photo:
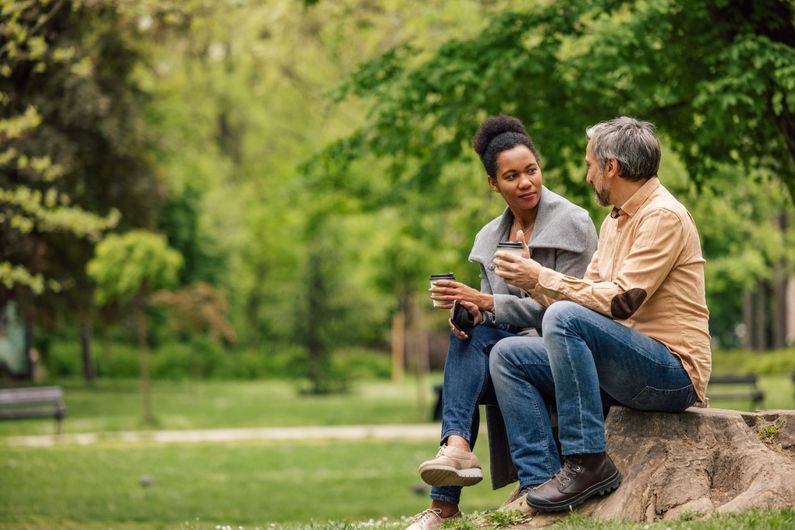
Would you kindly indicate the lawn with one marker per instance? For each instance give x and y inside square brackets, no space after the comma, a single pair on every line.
[251,484]
[115,405]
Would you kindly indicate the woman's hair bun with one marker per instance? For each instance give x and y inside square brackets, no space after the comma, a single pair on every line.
[494,126]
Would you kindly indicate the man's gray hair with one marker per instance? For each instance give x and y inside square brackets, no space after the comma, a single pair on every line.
[632,142]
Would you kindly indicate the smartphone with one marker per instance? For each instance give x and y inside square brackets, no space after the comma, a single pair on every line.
[461,318]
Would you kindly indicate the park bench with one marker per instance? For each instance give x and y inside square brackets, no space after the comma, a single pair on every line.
[33,402]
[751,393]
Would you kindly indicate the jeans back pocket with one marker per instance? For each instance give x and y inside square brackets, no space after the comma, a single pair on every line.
[662,400]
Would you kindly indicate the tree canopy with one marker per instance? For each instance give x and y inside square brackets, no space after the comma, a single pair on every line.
[716,77]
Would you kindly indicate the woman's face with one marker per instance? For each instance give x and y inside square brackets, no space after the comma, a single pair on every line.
[518,178]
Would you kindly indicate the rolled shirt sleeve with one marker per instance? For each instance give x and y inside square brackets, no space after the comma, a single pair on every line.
[620,292]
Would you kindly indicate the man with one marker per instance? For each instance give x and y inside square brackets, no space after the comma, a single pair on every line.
[633,331]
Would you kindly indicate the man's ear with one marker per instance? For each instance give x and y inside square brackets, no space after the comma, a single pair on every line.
[492,183]
[613,167]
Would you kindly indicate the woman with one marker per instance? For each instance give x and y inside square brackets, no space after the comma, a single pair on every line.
[561,236]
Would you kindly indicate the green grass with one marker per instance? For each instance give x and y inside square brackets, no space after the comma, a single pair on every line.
[254,484]
[778,388]
[755,519]
[115,405]
[355,485]
[250,484]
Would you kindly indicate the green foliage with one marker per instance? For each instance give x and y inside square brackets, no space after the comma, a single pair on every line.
[563,67]
[769,432]
[715,78]
[202,358]
[37,200]
[504,519]
[754,362]
[460,523]
[224,126]
[127,265]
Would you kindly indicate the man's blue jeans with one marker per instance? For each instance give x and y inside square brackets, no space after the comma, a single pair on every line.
[583,358]
[466,385]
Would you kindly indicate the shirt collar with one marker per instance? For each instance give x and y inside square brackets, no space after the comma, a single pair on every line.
[631,206]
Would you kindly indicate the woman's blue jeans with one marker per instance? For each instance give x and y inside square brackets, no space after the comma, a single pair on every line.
[582,359]
[466,385]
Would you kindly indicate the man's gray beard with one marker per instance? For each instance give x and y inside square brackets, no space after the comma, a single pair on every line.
[602,197]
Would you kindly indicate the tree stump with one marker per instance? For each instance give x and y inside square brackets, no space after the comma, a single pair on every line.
[702,460]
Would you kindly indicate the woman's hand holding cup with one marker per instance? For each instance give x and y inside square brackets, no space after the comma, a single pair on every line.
[444,292]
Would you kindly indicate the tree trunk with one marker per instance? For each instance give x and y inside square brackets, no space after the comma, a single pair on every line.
[86,332]
[760,317]
[254,301]
[143,358]
[419,341]
[780,307]
[398,346]
[748,319]
[701,460]
[791,311]
[780,293]
[316,315]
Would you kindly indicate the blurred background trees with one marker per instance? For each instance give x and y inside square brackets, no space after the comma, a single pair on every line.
[310,163]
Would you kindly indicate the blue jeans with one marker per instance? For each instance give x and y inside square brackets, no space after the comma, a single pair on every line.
[582,359]
[466,385]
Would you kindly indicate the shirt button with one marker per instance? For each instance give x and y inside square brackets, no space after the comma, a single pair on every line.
[491,266]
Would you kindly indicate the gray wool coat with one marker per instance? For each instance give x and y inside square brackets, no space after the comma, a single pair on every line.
[564,239]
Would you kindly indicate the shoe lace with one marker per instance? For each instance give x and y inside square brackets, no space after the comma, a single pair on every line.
[430,513]
[569,471]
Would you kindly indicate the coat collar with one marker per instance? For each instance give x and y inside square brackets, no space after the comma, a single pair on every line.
[549,231]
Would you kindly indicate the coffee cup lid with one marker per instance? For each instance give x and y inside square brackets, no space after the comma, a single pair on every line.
[445,276]
[509,244]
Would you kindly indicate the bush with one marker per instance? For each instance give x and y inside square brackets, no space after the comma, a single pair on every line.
[116,359]
[363,364]
[64,359]
[204,359]
[175,361]
[753,362]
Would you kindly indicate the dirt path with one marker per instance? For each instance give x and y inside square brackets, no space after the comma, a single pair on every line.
[424,431]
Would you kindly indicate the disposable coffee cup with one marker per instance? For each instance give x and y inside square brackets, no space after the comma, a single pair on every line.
[436,278]
[514,247]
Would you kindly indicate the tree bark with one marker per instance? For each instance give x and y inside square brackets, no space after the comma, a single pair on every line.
[398,346]
[701,460]
[419,341]
[760,317]
[143,358]
[780,293]
[748,319]
[86,332]
[317,313]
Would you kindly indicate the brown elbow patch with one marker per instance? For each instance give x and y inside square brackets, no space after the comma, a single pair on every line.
[625,304]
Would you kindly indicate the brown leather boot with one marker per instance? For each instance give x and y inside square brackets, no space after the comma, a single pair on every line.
[580,478]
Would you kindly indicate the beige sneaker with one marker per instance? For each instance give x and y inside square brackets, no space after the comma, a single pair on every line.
[517,502]
[430,519]
[452,467]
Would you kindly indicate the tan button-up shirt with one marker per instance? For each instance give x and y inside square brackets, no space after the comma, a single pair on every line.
[648,274]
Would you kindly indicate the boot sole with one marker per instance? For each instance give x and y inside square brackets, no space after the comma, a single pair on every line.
[601,488]
[450,476]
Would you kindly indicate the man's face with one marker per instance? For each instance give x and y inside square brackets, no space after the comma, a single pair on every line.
[596,178]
